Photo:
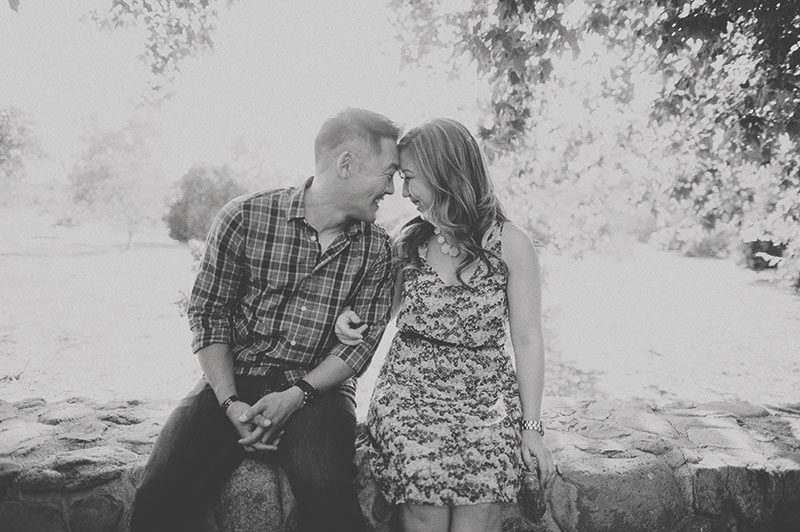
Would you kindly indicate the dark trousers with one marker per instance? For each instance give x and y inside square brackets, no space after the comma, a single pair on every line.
[197,450]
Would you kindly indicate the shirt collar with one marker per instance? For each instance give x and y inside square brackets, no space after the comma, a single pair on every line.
[297,210]
[297,201]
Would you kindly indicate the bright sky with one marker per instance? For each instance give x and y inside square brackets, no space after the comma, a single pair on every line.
[278,70]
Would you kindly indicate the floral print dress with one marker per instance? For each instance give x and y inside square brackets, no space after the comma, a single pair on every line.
[443,422]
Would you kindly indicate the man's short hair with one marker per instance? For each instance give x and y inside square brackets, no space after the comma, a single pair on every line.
[354,124]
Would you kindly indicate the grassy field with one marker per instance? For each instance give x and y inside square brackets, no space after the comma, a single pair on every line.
[82,316]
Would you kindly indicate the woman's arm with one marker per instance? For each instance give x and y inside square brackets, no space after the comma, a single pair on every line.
[524,296]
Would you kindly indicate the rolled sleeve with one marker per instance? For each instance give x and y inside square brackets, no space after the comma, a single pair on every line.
[373,303]
[218,281]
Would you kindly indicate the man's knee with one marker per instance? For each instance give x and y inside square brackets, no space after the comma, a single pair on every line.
[323,466]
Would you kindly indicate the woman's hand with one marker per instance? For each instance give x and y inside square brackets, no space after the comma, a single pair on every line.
[349,329]
[535,454]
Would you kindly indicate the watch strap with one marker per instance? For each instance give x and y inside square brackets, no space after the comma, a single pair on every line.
[309,391]
[228,402]
[534,425]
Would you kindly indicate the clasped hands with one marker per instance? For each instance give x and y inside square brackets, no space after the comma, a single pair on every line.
[260,426]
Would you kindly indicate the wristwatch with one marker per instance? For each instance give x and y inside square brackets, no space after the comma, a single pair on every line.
[529,424]
[228,402]
[309,392]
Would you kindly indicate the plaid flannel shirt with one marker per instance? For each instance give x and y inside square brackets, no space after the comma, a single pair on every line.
[265,288]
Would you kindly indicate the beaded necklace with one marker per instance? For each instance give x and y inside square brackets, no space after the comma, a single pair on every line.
[447,247]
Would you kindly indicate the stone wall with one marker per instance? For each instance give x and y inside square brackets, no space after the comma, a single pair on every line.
[71,466]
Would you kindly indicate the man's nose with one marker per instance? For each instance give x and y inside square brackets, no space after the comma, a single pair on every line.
[390,186]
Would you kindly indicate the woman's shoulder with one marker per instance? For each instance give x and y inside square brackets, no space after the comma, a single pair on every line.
[516,243]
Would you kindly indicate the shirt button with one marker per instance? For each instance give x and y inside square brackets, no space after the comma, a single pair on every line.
[293,342]
[313,238]
[303,308]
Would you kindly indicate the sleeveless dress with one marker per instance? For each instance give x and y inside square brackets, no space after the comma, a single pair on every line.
[443,421]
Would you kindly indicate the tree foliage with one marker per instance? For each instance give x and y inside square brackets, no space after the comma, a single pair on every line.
[203,191]
[726,116]
[174,30]
[117,176]
[17,143]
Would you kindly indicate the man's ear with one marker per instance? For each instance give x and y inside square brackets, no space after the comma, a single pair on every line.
[344,163]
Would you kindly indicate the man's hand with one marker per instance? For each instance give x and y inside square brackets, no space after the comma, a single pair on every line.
[251,433]
[269,414]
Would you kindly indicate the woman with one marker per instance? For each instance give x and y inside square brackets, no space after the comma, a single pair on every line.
[450,421]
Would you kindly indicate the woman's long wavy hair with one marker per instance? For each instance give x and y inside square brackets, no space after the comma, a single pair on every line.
[464,203]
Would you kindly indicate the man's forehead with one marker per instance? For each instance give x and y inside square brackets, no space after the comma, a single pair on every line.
[389,154]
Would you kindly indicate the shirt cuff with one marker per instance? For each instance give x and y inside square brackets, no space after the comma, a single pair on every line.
[204,337]
[357,357]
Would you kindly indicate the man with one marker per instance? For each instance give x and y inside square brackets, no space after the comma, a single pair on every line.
[278,268]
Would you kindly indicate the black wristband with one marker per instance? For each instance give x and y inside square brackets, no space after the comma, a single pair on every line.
[309,392]
[228,402]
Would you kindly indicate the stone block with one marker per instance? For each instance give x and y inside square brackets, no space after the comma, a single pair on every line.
[32,403]
[601,430]
[727,438]
[61,412]
[83,432]
[256,497]
[560,406]
[7,411]
[122,417]
[619,495]
[20,437]
[77,470]
[557,441]
[8,472]
[563,501]
[646,421]
[100,513]
[30,517]
[740,409]
[652,444]
[598,410]
[758,497]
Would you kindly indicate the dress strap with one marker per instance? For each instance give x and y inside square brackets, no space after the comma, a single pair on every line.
[494,238]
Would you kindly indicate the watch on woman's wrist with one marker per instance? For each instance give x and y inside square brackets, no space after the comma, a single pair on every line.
[535,425]
[309,392]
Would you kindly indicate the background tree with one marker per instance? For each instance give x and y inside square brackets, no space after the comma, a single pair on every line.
[174,30]
[117,177]
[18,143]
[726,114]
[203,191]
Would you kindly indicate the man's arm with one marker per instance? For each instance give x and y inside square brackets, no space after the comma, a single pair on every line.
[216,360]
[213,296]
[220,275]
